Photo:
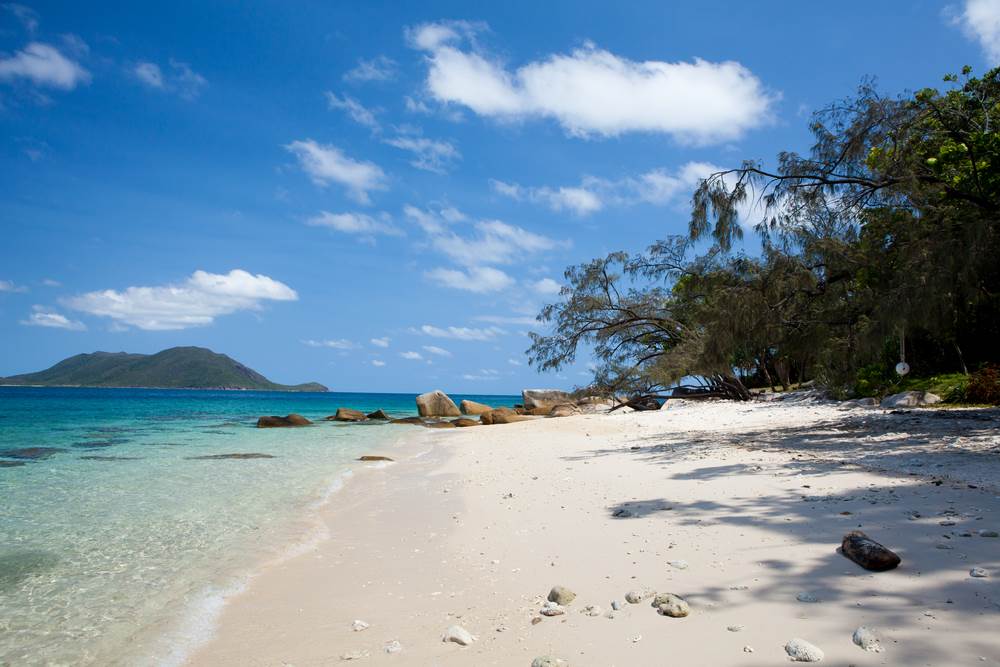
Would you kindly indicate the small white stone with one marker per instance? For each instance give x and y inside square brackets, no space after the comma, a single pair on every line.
[458,635]
[393,647]
[799,650]
[868,639]
[638,595]
[592,610]
[978,573]
[679,564]
[360,625]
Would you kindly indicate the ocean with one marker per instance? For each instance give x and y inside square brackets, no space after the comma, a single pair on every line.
[118,544]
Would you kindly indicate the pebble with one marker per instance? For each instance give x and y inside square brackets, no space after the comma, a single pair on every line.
[978,573]
[561,595]
[552,609]
[616,605]
[592,610]
[393,647]
[868,639]
[638,595]
[679,564]
[548,661]
[806,597]
[671,605]
[799,650]
[360,625]
[458,635]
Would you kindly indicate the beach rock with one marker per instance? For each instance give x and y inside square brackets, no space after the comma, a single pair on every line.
[373,457]
[218,457]
[910,399]
[868,639]
[671,605]
[468,407]
[379,414]
[31,453]
[440,425]
[592,610]
[564,410]
[465,422]
[360,626]
[868,553]
[978,573]
[548,661]
[274,421]
[638,595]
[552,609]
[502,416]
[436,404]
[544,398]
[347,415]
[806,597]
[561,595]
[392,647]
[458,635]
[416,421]
[799,650]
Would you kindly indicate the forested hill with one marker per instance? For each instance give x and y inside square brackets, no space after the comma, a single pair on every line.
[175,368]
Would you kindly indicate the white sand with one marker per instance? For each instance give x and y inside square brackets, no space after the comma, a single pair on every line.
[755,498]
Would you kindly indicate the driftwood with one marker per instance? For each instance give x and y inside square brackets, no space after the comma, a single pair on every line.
[868,553]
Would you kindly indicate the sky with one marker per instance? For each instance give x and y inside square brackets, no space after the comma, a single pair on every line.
[381,197]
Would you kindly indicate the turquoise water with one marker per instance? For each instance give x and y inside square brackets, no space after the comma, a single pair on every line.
[117,544]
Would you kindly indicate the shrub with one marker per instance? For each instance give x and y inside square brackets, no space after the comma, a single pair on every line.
[984,386]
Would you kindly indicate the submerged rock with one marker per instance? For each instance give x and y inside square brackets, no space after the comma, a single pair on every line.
[561,595]
[436,404]
[373,457]
[274,421]
[217,457]
[458,635]
[799,650]
[868,553]
[31,453]
[472,408]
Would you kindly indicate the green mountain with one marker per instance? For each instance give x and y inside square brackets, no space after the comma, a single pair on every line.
[176,368]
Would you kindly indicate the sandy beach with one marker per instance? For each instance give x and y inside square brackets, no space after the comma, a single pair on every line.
[737,508]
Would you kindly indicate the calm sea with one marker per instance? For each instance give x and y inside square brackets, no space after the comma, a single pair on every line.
[118,545]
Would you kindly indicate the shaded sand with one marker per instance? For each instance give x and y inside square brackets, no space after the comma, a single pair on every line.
[754,498]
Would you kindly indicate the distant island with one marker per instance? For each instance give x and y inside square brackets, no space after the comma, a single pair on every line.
[174,368]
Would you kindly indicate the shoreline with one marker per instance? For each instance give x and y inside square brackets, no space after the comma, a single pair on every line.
[736,508]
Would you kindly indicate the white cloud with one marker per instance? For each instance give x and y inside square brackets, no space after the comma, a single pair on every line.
[429,221]
[485,374]
[578,200]
[434,349]
[44,65]
[149,73]
[195,302]
[326,164]
[26,15]
[359,113]
[43,317]
[546,287]
[336,344]
[180,79]
[593,92]
[462,333]
[496,242]
[380,68]
[501,319]
[380,342]
[429,154]
[8,286]
[49,282]
[378,363]
[478,279]
[412,356]
[514,362]
[353,223]
[980,20]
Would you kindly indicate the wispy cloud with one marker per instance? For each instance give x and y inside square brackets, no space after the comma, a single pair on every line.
[195,302]
[380,342]
[355,223]
[411,355]
[45,317]
[45,66]
[593,92]
[435,350]
[358,112]
[461,333]
[485,374]
[8,286]
[327,164]
[378,363]
[428,154]
[336,344]
[26,15]
[577,200]
[477,279]
[380,68]
[179,79]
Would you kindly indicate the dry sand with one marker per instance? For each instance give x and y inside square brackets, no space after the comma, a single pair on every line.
[474,526]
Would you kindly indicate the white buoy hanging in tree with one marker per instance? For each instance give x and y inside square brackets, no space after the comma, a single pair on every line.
[902,368]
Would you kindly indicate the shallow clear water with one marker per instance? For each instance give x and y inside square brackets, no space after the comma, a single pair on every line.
[116,544]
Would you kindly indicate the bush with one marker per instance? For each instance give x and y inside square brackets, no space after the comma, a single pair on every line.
[984,386]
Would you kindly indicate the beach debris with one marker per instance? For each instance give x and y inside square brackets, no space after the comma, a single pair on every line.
[360,626]
[392,647]
[678,564]
[978,573]
[552,609]
[868,553]
[347,415]
[374,457]
[458,635]
[379,414]
[548,661]
[592,610]
[638,595]
[274,421]
[356,655]
[868,639]
[671,605]
[734,628]
[806,597]
[218,457]
[561,595]
[799,650]
[436,404]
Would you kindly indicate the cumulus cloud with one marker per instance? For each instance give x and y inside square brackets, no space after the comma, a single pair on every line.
[380,342]
[477,279]
[412,356]
[354,223]
[461,333]
[180,79]
[43,65]
[195,302]
[358,112]
[44,317]
[434,349]
[336,344]
[428,154]
[327,164]
[980,20]
[593,92]
[380,68]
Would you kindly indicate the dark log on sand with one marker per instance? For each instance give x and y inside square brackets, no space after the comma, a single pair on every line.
[868,553]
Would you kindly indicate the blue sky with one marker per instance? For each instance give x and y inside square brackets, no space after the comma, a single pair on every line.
[380,198]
